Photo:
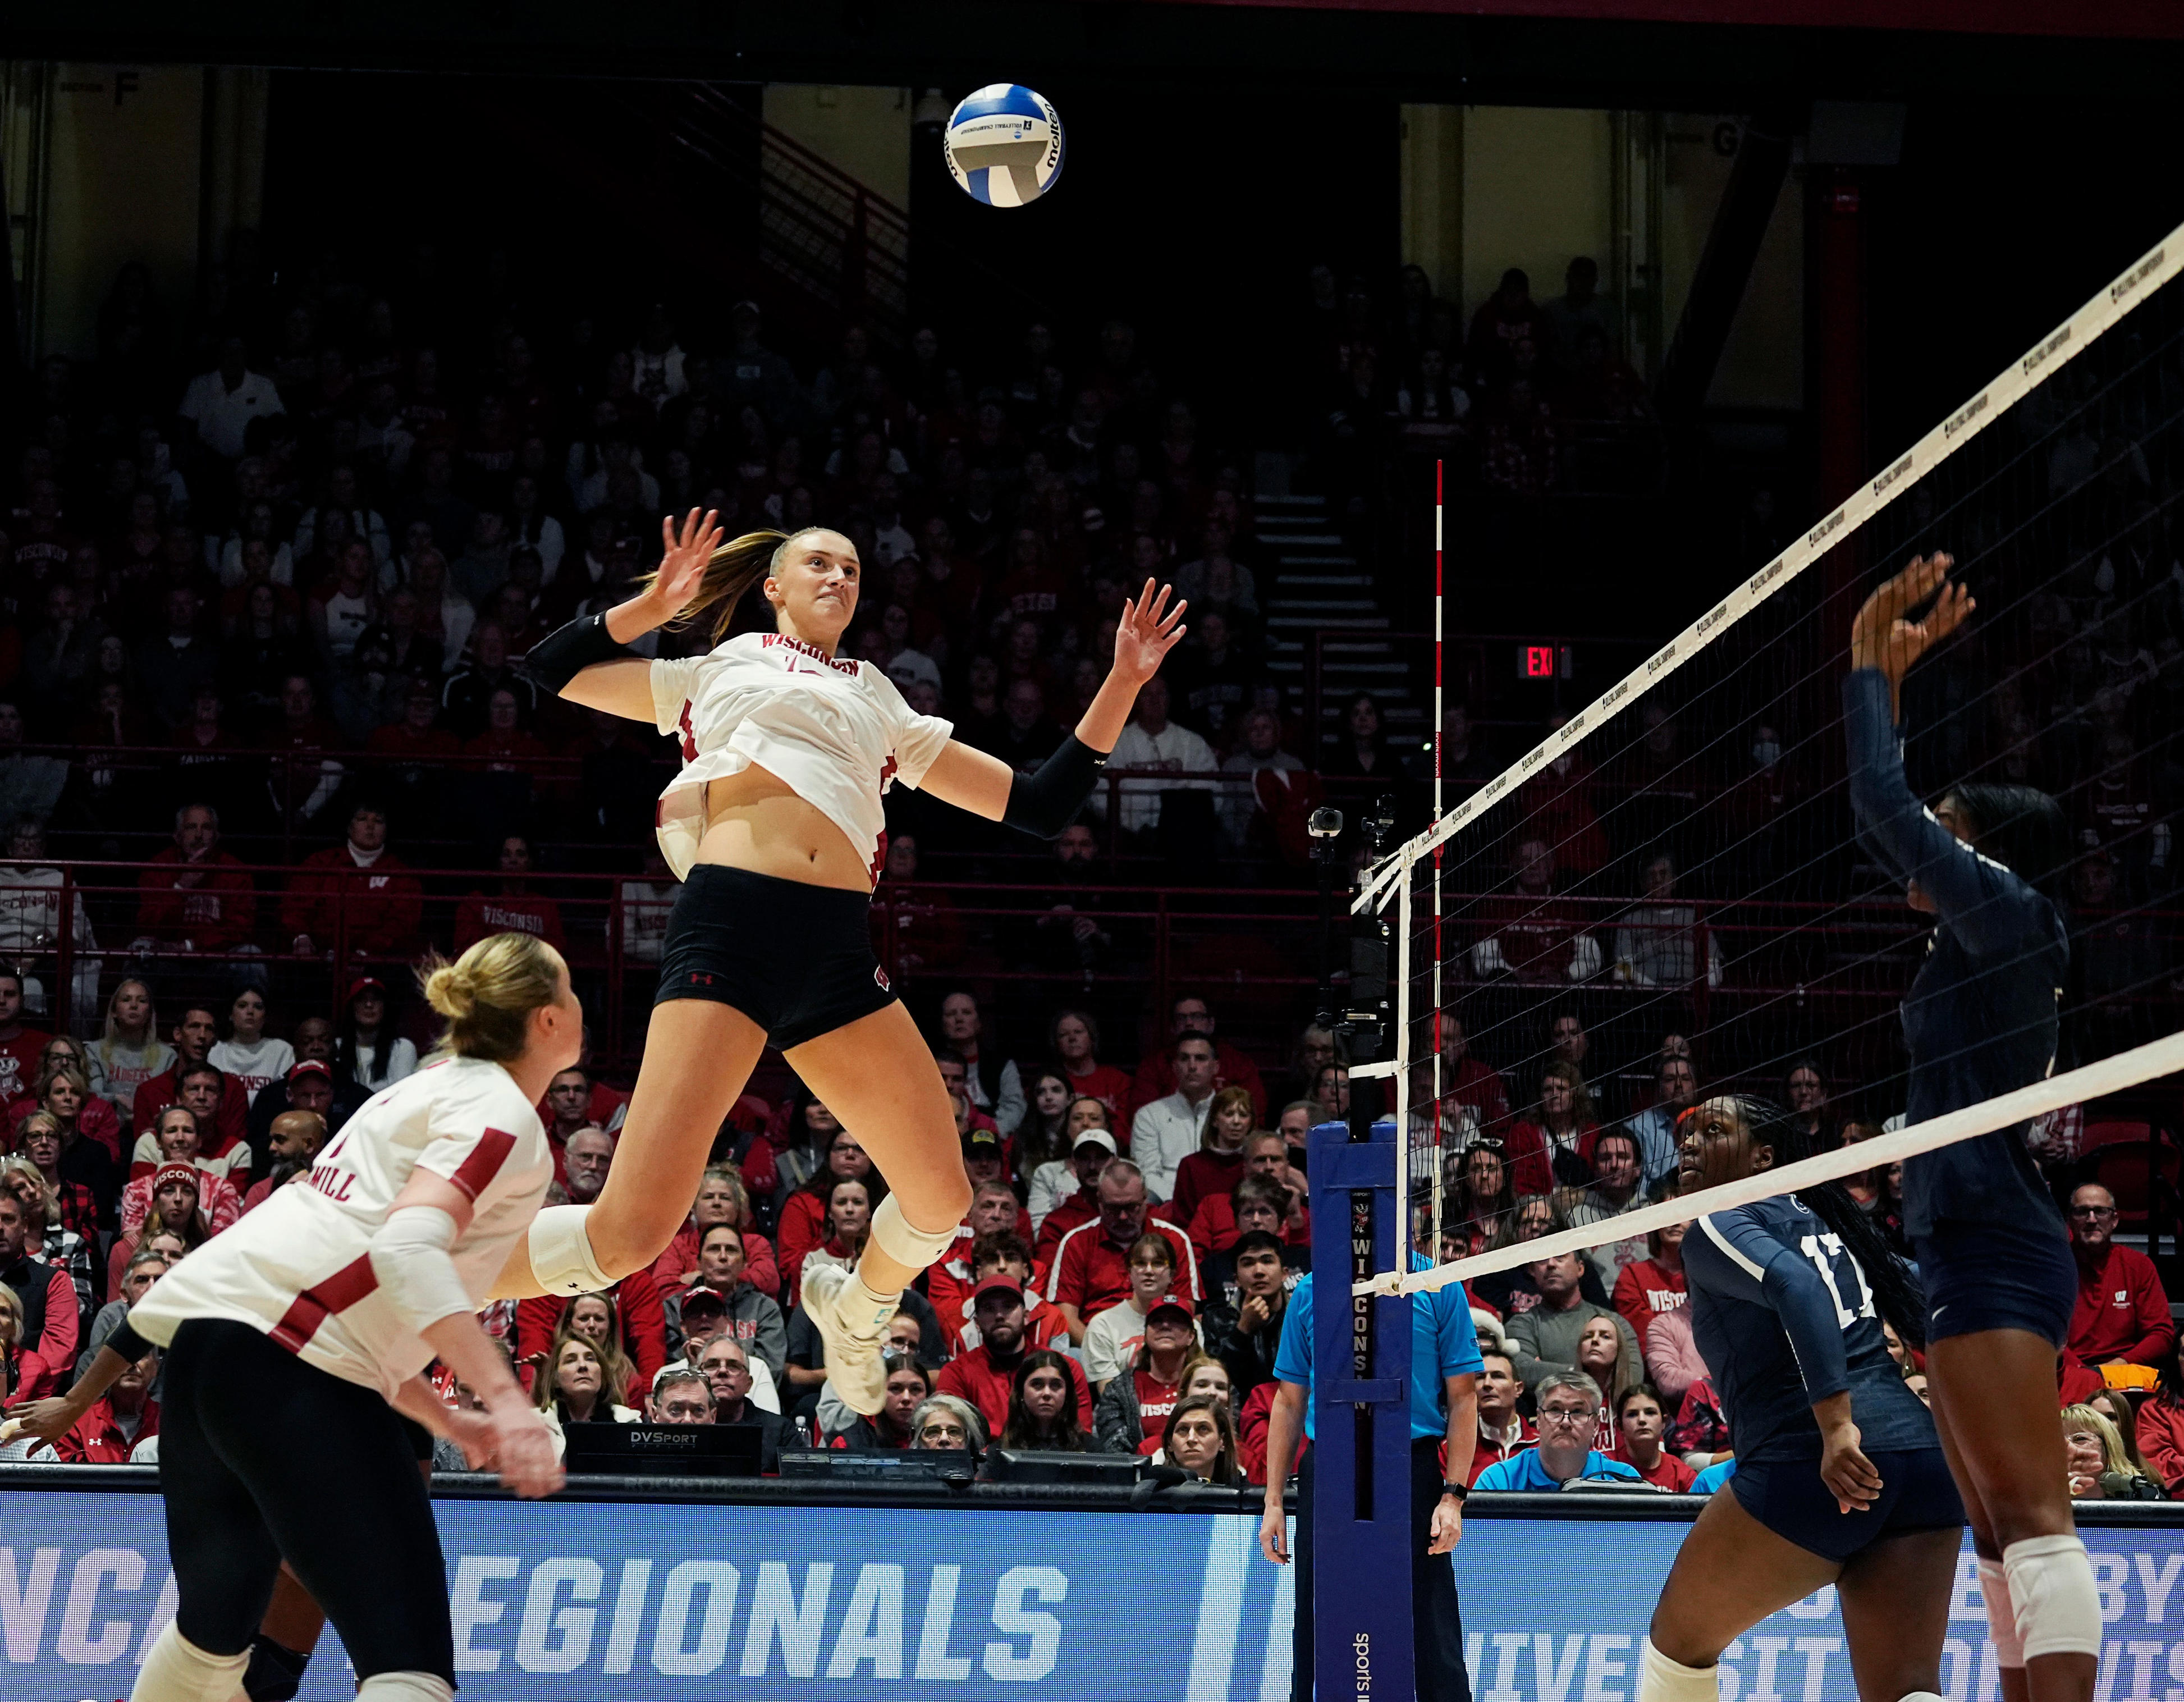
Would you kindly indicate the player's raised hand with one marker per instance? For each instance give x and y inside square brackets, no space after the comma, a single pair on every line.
[684,557]
[1884,636]
[1147,632]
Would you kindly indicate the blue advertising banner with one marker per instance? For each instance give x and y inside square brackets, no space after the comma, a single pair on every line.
[637,1600]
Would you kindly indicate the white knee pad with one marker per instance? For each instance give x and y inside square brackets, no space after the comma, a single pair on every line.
[405,1687]
[177,1670]
[561,1256]
[2058,1610]
[894,1235]
[1663,1680]
[2001,1615]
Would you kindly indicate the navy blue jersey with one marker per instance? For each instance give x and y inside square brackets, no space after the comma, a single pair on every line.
[1981,1017]
[1783,1317]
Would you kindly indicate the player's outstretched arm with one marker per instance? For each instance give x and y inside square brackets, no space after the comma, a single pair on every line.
[583,660]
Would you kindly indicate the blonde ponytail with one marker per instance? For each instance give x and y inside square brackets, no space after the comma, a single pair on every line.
[487,994]
[734,569]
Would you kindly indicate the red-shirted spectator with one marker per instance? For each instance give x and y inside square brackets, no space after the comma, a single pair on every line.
[1529,934]
[638,1321]
[1555,807]
[358,892]
[19,1047]
[414,739]
[1076,1038]
[1155,1077]
[984,1376]
[1218,1221]
[1091,1263]
[803,1227]
[949,1282]
[46,1345]
[721,1199]
[1464,1080]
[1502,1430]
[1219,1163]
[195,897]
[228,1116]
[1653,1285]
[112,1427]
[514,909]
[1252,1422]
[1641,1423]
[2159,1430]
[2121,1312]
[1094,1151]
[217,1198]
[1004,1253]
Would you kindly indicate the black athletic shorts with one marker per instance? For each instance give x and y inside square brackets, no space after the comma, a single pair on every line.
[1787,1496]
[263,1457]
[796,959]
[1981,1275]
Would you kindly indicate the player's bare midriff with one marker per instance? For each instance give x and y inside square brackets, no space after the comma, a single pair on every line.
[756,821]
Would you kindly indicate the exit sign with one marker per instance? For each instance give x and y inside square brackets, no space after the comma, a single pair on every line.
[1544,661]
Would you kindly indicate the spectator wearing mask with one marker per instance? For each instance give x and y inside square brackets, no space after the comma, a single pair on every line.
[993,1084]
[1641,1424]
[50,1321]
[1244,1332]
[1191,1015]
[1568,1405]
[1170,1130]
[752,1319]
[297,1138]
[117,1423]
[2122,1311]
[1503,1431]
[1090,1268]
[359,891]
[1133,1411]
[985,1376]
[1545,1339]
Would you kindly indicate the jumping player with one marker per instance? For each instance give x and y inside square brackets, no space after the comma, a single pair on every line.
[1840,1477]
[314,1316]
[1992,1255]
[775,824]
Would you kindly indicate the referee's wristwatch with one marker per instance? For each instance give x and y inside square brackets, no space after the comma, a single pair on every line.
[1461,1491]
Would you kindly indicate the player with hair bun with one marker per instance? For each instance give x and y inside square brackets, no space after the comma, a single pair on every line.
[775,825]
[295,1338]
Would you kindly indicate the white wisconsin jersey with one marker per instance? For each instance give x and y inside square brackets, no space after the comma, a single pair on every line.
[300,1267]
[837,733]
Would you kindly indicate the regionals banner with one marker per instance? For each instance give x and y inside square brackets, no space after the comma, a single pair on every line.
[630,1601]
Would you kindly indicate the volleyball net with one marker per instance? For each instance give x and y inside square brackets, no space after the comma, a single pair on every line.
[1666,898]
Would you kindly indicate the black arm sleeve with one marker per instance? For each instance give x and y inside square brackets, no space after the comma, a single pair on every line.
[568,650]
[126,1341]
[1044,802]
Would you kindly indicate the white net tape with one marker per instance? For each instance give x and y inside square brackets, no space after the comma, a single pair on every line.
[2110,1075]
[1392,884]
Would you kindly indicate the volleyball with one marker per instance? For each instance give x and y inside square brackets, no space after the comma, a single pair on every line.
[1004,145]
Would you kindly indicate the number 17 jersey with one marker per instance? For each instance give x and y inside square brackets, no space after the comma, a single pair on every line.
[1784,1316]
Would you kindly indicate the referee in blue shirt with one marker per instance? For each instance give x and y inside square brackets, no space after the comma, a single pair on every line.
[1444,1403]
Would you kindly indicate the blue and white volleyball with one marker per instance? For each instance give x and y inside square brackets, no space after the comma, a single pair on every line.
[1004,145]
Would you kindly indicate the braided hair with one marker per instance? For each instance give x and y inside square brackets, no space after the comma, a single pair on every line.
[1895,1292]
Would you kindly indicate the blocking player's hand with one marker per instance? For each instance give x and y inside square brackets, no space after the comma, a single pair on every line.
[1884,636]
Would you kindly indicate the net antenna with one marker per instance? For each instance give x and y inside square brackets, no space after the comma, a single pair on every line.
[2052,488]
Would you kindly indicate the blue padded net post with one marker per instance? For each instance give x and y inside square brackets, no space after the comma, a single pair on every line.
[1360,1531]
